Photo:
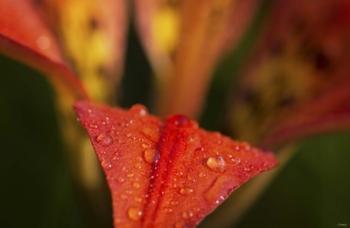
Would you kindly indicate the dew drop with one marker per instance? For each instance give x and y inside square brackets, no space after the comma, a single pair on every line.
[144,145]
[187,215]
[202,174]
[138,166]
[118,221]
[134,213]
[186,191]
[106,164]
[43,42]
[180,120]
[174,203]
[139,109]
[169,210]
[216,163]
[184,215]
[93,126]
[121,180]
[136,185]
[104,139]
[138,199]
[149,155]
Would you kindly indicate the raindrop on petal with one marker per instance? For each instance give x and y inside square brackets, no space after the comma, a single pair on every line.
[134,213]
[217,163]
[148,155]
[104,139]
[186,191]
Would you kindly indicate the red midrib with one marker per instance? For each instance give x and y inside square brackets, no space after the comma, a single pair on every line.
[171,143]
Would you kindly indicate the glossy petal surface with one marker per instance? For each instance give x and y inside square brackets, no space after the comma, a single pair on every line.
[23,35]
[166,173]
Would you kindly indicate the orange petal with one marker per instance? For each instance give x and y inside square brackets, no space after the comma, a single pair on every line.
[185,40]
[166,173]
[24,36]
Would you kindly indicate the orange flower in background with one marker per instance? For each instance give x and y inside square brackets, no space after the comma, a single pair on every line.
[296,81]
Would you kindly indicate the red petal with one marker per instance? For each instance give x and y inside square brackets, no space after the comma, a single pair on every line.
[166,174]
[23,35]
[329,112]
[296,81]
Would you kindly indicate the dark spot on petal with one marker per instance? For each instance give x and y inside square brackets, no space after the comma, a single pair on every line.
[101,70]
[286,101]
[276,47]
[322,62]
[93,24]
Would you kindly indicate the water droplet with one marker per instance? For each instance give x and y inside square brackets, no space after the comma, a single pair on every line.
[136,185]
[104,139]
[43,42]
[202,174]
[168,210]
[106,164]
[186,191]
[139,109]
[149,155]
[138,199]
[134,213]
[121,179]
[93,126]
[118,221]
[187,215]
[144,145]
[174,203]
[138,166]
[216,163]
[180,120]
[235,161]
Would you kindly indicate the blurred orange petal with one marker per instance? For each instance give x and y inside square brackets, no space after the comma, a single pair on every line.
[24,36]
[184,40]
